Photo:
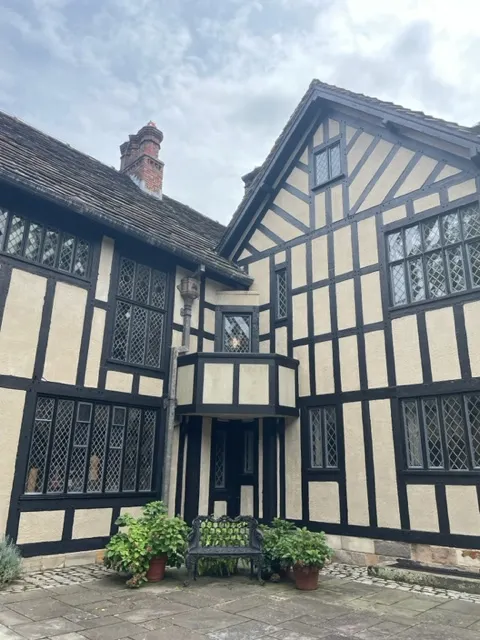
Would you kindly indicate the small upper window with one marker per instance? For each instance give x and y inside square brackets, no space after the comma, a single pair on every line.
[327,164]
[237,333]
[34,242]
[323,438]
[281,306]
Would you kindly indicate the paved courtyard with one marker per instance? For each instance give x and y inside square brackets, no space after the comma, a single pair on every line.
[231,609]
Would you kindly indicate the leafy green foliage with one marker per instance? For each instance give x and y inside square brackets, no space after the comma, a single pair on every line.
[271,537]
[151,535]
[304,548]
[10,561]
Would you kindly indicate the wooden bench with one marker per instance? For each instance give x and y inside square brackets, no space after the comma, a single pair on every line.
[209,537]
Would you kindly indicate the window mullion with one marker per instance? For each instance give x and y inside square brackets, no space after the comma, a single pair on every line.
[423,434]
[48,456]
[88,447]
[70,446]
[443,435]
[107,448]
[466,430]
[139,450]
[124,448]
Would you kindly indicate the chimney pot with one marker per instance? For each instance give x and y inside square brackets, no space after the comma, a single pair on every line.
[139,159]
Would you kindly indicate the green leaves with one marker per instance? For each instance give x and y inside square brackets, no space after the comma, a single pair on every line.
[304,548]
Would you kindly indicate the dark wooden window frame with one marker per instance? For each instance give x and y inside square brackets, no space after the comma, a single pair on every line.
[281,271]
[325,148]
[329,451]
[222,311]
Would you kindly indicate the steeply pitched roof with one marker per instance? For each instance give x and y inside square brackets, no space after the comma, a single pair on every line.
[52,169]
[463,136]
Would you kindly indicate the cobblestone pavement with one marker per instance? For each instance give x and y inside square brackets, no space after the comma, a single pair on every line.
[95,605]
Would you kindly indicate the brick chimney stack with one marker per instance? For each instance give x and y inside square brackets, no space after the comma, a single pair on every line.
[139,159]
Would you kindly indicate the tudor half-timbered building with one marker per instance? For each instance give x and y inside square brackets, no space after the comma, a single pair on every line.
[330,367]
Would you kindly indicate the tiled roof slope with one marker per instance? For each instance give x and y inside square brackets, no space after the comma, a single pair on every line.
[44,165]
[330,92]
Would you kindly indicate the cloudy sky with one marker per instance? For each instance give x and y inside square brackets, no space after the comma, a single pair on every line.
[221,77]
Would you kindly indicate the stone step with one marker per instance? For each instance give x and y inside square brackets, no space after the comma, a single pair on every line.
[437,577]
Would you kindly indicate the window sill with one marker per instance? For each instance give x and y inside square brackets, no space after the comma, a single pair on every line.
[328,183]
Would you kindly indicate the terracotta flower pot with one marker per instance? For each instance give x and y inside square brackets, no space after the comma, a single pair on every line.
[156,570]
[306,578]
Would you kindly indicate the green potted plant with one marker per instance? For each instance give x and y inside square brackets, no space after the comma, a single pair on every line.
[306,552]
[272,534]
[145,545]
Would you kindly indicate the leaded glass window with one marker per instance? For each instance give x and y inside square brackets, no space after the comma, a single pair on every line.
[323,438]
[34,242]
[281,302]
[90,447]
[248,451]
[443,433]
[219,461]
[327,164]
[435,258]
[140,315]
[237,333]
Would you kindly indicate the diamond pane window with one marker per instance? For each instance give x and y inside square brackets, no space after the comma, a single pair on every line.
[48,247]
[219,460]
[79,447]
[445,257]
[449,426]
[281,307]
[138,330]
[323,438]
[328,164]
[237,331]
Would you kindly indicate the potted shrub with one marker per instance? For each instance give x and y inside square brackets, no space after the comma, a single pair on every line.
[145,545]
[272,534]
[306,552]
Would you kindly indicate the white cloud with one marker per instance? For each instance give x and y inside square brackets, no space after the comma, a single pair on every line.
[221,78]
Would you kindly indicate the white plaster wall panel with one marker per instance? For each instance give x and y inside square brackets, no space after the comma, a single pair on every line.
[219,508]
[324,368]
[205,449]
[321,311]
[320,210]
[417,176]
[406,348]
[461,190]
[345,304]
[286,386]
[209,320]
[174,470]
[12,402]
[428,202]
[176,338]
[40,526]
[385,473]
[319,258]
[178,300]
[65,334]
[91,523]
[336,194]
[293,205]
[218,383]
[246,500]
[299,265]
[324,502]
[301,354]
[358,150]
[150,386]
[447,172]
[349,133]
[349,363]
[333,128]
[260,468]
[208,346]
[463,510]
[185,378]
[280,227]
[254,384]
[376,359]
[264,321]
[367,242]
[95,346]
[245,254]
[135,512]
[371,298]
[397,213]
[422,507]
[300,316]
[299,179]
[388,178]
[356,476]
[368,169]
[119,381]
[22,317]
[293,477]
[193,344]
[264,346]
[342,246]
[281,341]
[304,157]
[318,137]
[105,269]
[280,257]
[442,344]
[472,322]
[233,298]
[261,242]
[211,289]
[260,272]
